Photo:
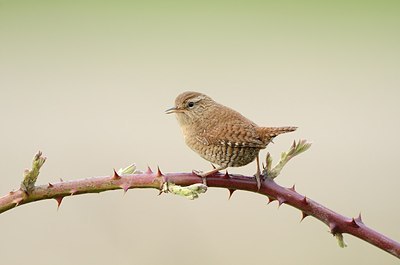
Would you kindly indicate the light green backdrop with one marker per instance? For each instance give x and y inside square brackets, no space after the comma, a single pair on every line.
[87,83]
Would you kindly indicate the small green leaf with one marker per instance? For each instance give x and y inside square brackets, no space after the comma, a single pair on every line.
[296,149]
[190,192]
[340,240]
[30,176]
[131,169]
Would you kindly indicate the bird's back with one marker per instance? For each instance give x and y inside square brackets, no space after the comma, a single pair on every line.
[225,137]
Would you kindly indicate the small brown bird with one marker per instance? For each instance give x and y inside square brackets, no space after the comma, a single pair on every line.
[221,135]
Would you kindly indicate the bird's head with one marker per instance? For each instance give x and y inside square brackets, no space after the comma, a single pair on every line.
[190,107]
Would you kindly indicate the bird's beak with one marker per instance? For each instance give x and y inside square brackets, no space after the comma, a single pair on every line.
[171,110]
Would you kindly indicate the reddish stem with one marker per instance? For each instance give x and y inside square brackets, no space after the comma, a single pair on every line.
[338,224]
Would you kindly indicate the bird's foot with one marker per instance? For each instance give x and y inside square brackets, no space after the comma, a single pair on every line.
[198,172]
[202,175]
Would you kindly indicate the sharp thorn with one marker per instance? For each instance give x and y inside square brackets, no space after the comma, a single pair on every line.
[353,223]
[149,171]
[359,219]
[59,200]
[231,191]
[226,176]
[11,192]
[293,188]
[305,200]
[61,180]
[159,174]
[115,175]
[271,199]
[281,201]
[73,192]
[50,185]
[213,166]
[303,215]
[125,188]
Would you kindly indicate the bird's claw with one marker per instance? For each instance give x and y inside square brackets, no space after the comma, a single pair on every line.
[198,173]
[201,174]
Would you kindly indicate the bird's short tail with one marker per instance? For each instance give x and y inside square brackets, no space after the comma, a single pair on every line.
[269,133]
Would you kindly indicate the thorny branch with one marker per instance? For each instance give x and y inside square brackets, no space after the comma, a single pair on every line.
[190,185]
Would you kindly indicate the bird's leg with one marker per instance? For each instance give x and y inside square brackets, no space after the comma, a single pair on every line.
[204,175]
[258,173]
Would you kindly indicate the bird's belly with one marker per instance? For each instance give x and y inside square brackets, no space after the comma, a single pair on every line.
[225,155]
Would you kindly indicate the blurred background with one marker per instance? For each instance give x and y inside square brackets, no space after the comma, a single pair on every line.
[87,83]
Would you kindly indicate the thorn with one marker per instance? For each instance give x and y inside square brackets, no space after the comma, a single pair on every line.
[59,200]
[11,192]
[159,174]
[294,144]
[231,191]
[72,192]
[353,223]
[305,200]
[213,166]
[125,188]
[281,201]
[293,188]
[270,199]
[303,215]
[61,180]
[50,185]
[358,219]
[149,171]
[226,176]
[115,175]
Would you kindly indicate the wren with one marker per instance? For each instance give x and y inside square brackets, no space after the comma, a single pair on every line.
[220,134]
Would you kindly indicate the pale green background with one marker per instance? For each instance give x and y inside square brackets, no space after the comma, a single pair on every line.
[87,83]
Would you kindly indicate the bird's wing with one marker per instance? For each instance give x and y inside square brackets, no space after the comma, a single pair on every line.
[234,131]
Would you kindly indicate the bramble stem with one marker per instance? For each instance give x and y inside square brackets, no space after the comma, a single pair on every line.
[189,185]
[337,223]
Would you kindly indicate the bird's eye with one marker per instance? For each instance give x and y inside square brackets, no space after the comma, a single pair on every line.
[190,104]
